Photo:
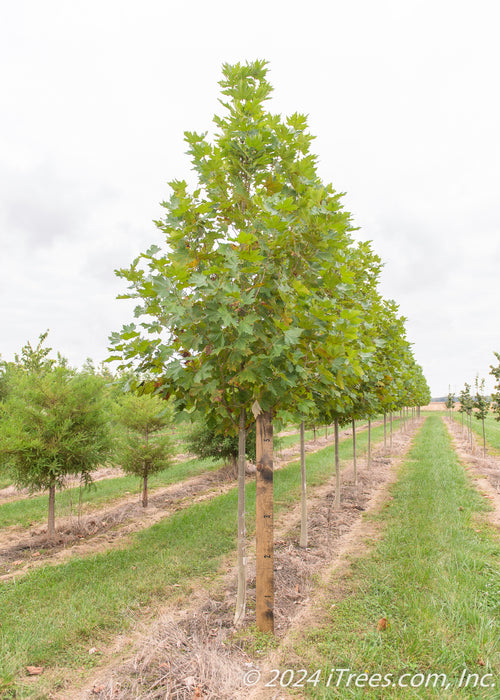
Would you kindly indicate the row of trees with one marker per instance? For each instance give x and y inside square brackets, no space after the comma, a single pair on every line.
[260,305]
[477,404]
[56,422]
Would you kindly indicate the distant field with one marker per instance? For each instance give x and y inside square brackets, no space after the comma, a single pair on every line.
[437,406]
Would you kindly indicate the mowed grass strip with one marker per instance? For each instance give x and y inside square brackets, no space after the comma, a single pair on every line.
[28,511]
[491,428]
[434,576]
[54,615]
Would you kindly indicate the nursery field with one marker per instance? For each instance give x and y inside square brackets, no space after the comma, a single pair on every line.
[417,612]
[177,523]
[400,587]
[49,613]
[259,309]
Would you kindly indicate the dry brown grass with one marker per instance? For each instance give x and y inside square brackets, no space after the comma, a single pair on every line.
[184,657]
[195,652]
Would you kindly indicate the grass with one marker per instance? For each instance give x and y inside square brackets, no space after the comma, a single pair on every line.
[434,576]
[492,430]
[53,615]
[4,482]
[25,512]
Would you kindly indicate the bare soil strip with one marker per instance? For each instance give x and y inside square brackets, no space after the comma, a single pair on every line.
[485,471]
[191,649]
[22,550]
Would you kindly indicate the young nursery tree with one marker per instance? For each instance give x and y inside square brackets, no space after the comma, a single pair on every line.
[495,396]
[207,441]
[5,372]
[450,402]
[244,305]
[53,424]
[303,488]
[481,407]
[466,406]
[36,360]
[143,448]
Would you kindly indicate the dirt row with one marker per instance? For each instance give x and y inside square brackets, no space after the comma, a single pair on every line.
[485,471]
[485,474]
[22,550]
[191,649]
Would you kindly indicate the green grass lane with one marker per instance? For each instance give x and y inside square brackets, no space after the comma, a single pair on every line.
[26,511]
[434,575]
[53,615]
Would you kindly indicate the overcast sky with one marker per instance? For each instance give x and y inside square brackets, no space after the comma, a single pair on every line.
[402,96]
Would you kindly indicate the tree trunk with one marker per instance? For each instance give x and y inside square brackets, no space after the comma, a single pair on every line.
[234,464]
[385,432]
[264,524]
[145,478]
[337,465]
[326,431]
[354,451]
[369,458]
[51,523]
[390,431]
[484,440]
[303,489]
[145,490]
[242,554]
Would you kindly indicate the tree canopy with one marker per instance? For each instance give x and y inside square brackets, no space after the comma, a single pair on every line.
[257,293]
[53,423]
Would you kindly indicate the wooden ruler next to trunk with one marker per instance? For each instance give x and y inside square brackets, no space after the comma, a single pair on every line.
[264,523]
